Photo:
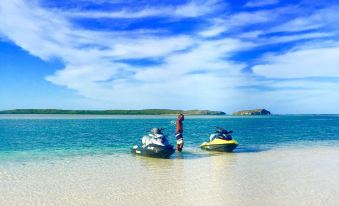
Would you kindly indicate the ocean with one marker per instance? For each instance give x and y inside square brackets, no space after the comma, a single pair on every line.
[87,160]
[65,135]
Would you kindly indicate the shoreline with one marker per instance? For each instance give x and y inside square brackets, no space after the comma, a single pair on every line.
[3,116]
[190,152]
[115,112]
[113,116]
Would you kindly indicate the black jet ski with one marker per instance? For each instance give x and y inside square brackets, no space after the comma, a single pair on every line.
[154,145]
[221,141]
[154,150]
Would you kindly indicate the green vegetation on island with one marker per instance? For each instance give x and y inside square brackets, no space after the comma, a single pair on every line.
[253,112]
[113,112]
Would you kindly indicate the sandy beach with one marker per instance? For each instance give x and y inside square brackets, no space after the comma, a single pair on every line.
[289,176]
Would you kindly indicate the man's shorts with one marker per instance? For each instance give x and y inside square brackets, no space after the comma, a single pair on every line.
[180,141]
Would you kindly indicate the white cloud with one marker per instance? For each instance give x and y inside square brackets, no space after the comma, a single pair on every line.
[190,9]
[316,62]
[147,12]
[206,57]
[299,24]
[251,34]
[237,21]
[290,38]
[316,20]
[260,3]
[146,47]
[197,8]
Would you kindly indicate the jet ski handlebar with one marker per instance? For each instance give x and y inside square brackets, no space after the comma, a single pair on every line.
[223,131]
[157,130]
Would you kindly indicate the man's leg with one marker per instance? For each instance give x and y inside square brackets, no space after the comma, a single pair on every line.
[180,146]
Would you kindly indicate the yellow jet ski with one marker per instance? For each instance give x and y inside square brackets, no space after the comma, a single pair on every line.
[220,145]
[221,141]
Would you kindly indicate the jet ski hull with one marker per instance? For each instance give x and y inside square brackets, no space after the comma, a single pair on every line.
[220,145]
[155,151]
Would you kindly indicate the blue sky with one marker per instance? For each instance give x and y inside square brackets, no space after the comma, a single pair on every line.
[127,54]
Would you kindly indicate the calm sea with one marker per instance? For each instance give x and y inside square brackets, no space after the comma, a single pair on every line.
[30,137]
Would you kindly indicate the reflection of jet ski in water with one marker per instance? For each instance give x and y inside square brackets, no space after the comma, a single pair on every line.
[154,144]
[221,141]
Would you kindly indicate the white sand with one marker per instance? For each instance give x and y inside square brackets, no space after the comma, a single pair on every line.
[308,176]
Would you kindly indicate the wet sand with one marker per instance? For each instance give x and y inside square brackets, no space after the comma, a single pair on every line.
[286,176]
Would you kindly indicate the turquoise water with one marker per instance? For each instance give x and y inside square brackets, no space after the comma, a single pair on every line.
[39,136]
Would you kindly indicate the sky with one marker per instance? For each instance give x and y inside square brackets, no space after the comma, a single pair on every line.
[137,54]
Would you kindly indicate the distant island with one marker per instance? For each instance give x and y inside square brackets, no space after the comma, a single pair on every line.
[253,112]
[113,112]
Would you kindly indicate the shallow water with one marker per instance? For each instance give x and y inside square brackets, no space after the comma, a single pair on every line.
[85,160]
[305,176]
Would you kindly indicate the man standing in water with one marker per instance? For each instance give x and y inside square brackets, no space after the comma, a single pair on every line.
[179,129]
